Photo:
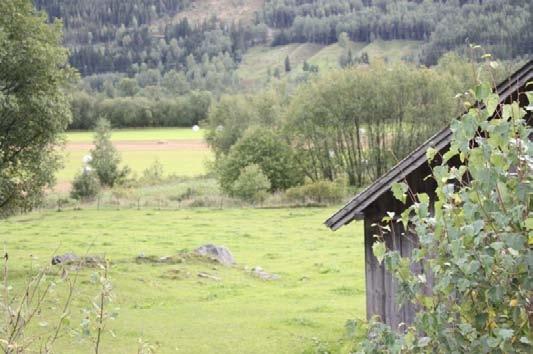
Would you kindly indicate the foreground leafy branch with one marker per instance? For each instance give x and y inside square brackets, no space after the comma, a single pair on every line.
[476,291]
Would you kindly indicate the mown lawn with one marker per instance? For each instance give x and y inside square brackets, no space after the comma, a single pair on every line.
[321,285]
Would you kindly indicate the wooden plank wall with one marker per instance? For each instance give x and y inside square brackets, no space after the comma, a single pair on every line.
[381,288]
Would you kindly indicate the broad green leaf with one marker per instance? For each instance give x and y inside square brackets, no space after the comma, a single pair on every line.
[399,190]
[430,153]
[482,91]
[423,342]
[378,248]
[492,103]
[505,333]
[525,340]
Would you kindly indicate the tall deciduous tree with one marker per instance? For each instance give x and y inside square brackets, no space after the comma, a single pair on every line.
[34,109]
[358,122]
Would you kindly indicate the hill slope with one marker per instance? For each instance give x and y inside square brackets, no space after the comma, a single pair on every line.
[261,62]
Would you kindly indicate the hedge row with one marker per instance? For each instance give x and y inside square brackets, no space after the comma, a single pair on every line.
[130,112]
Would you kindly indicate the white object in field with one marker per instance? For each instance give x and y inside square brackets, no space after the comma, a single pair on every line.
[195,128]
[331,153]
[87,169]
[220,128]
[87,159]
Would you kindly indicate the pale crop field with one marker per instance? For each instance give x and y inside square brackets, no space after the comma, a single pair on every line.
[181,151]
[169,306]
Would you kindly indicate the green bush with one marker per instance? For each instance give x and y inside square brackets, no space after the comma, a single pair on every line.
[264,148]
[252,184]
[323,191]
[154,173]
[85,186]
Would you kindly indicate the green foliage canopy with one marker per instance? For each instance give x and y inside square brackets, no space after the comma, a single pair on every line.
[359,122]
[263,147]
[34,108]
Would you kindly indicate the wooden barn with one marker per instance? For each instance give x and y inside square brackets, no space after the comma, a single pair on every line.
[373,202]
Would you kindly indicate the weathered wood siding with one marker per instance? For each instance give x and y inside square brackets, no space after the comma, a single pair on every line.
[382,290]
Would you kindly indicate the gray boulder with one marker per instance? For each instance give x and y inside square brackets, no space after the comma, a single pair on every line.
[67,258]
[73,259]
[218,253]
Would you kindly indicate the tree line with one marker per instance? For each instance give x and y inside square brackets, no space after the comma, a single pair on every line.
[352,123]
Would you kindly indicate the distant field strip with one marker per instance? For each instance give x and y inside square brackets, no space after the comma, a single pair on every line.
[141,134]
[182,152]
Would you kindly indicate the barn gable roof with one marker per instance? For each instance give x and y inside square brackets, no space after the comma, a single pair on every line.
[354,209]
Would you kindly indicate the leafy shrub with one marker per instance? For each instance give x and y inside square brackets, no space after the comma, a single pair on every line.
[264,148]
[154,173]
[252,184]
[85,186]
[317,192]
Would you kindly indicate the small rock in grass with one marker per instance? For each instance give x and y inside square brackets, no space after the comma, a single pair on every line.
[208,276]
[73,259]
[218,253]
[261,274]
[67,258]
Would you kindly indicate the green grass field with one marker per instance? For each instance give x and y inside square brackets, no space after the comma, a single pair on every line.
[140,134]
[321,285]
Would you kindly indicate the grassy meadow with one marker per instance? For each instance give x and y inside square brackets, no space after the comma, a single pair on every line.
[169,306]
[258,60]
